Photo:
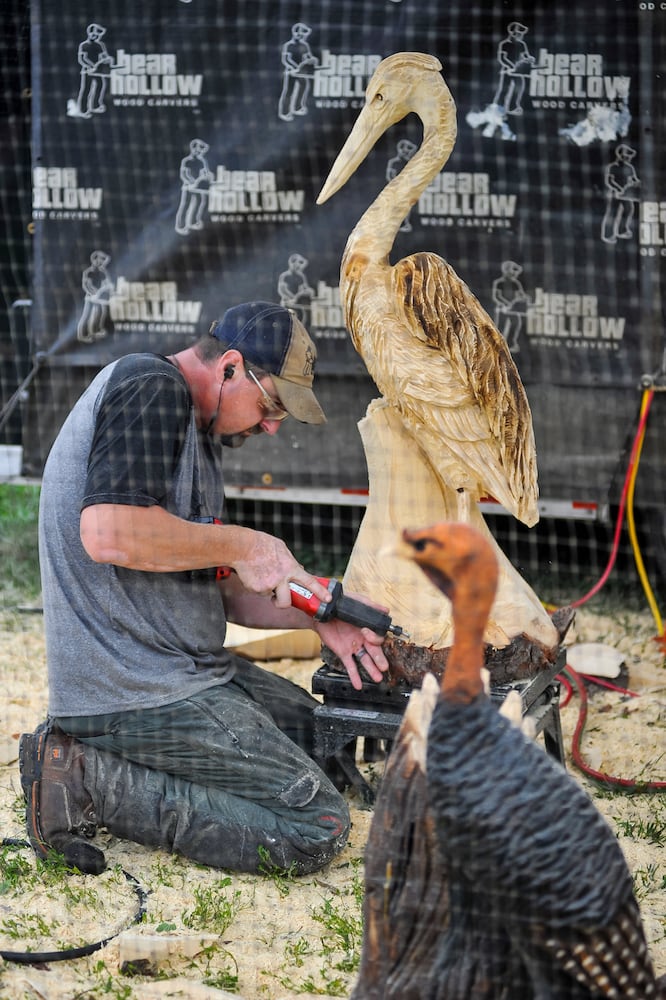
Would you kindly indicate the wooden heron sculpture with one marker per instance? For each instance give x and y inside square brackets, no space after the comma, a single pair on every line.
[454,424]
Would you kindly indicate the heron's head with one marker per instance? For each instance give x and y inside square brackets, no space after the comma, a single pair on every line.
[402,83]
[398,84]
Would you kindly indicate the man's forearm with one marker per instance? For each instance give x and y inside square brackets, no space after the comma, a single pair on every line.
[259,610]
[153,540]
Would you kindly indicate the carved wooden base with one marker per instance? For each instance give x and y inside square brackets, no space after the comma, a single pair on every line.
[406,492]
[521,659]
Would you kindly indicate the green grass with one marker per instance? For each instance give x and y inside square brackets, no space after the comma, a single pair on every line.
[337,952]
[19,508]
[636,825]
[212,909]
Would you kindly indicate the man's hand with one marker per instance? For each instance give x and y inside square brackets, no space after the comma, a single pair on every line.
[266,566]
[354,646]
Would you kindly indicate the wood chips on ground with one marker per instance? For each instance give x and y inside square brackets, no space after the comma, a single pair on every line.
[285,937]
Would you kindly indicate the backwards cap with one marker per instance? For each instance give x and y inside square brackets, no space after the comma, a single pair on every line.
[273,338]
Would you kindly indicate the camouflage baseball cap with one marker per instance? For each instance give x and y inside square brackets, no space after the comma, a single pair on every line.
[274,339]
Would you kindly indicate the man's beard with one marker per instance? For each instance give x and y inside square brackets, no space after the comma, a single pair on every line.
[237,440]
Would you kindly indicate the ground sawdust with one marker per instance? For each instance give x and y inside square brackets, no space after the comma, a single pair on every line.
[288,938]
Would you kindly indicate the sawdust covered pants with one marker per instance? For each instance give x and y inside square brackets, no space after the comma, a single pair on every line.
[224,777]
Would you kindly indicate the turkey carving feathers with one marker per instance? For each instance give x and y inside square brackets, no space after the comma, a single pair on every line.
[530,859]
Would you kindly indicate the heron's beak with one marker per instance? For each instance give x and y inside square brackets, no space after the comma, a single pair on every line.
[368,128]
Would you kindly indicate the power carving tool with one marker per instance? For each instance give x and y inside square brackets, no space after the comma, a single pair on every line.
[347,609]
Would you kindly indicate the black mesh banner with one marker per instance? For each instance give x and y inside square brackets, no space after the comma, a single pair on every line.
[179,147]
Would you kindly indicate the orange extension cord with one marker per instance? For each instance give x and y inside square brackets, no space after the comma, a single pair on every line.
[570,678]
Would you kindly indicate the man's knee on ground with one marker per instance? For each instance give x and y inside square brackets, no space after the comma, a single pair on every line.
[325,837]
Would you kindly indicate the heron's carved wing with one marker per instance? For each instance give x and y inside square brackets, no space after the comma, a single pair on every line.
[443,313]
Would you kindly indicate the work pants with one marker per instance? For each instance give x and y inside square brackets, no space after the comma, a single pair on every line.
[224,777]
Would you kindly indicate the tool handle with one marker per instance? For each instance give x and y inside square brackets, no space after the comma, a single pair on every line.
[363,615]
[305,600]
[347,609]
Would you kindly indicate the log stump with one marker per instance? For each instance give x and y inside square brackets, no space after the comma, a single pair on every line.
[521,659]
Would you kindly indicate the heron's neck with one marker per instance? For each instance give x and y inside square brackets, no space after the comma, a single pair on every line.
[376,230]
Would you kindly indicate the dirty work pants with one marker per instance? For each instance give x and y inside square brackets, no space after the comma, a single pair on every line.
[223,777]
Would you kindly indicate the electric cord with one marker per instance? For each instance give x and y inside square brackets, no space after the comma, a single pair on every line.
[626,499]
[646,403]
[569,678]
[572,680]
[38,957]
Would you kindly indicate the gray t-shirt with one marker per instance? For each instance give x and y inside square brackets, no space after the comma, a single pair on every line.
[119,639]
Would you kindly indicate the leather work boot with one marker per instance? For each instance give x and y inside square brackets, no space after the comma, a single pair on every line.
[59,811]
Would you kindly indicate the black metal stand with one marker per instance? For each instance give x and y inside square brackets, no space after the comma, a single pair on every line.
[375,712]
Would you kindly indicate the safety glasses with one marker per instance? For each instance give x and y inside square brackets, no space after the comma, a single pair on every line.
[272,408]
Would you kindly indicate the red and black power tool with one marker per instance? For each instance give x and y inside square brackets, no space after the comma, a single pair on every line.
[347,609]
